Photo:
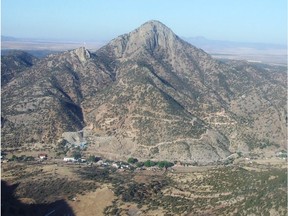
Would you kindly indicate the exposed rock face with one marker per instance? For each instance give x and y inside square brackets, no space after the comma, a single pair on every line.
[82,54]
[149,94]
[151,36]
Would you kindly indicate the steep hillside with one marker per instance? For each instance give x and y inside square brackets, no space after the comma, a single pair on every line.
[171,99]
[45,100]
[152,95]
[13,63]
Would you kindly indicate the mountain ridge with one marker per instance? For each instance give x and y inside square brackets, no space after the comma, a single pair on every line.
[150,94]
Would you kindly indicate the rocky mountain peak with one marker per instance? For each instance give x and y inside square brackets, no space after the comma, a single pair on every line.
[154,34]
[154,26]
[151,36]
[82,53]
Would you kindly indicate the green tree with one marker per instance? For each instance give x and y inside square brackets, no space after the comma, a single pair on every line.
[139,164]
[149,163]
[93,158]
[132,160]
[77,155]
[165,164]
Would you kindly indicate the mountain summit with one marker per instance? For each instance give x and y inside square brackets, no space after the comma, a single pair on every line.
[148,94]
[152,36]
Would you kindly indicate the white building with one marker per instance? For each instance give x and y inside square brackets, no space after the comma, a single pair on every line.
[69,159]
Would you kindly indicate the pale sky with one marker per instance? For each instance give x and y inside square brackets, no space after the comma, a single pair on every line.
[262,21]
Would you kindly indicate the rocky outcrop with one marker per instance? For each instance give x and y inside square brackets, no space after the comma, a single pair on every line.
[82,53]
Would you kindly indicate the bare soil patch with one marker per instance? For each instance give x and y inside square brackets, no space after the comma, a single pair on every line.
[93,203]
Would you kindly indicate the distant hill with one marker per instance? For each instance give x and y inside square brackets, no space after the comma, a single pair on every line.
[149,94]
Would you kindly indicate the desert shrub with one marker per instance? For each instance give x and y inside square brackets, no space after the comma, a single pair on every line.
[13,158]
[22,158]
[240,154]
[29,158]
[94,173]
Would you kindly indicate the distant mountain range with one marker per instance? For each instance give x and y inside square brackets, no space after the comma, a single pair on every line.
[147,94]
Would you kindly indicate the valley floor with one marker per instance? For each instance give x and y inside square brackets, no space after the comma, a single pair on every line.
[55,187]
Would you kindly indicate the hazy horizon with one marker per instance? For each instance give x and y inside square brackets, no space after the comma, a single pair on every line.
[258,21]
[255,52]
[197,37]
